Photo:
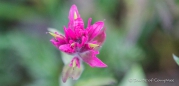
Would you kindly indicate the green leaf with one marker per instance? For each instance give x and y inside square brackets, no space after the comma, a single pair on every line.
[176,59]
[135,77]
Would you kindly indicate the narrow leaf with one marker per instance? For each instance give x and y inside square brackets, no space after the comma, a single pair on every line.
[176,59]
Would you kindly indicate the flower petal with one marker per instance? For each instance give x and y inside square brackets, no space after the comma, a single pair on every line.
[77,72]
[66,73]
[73,14]
[78,23]
[89,22]
[84,40]
[90,58]
[67,48]
[85,48]
[78,32]
[95,29]
[55,43]
[75,19]
[70,72]
[100,38]
[69,33]
[75,62]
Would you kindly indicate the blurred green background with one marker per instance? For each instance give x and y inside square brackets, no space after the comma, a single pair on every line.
[142,35]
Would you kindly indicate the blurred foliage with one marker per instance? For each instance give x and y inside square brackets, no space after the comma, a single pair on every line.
[27,59]
[141,37]
[134,77]
[176,59]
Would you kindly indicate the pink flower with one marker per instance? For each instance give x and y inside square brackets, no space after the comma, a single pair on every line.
[83,44]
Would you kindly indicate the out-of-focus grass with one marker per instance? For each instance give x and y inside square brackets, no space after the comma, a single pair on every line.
[28,59]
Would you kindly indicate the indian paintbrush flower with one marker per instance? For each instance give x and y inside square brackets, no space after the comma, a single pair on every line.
[81,43]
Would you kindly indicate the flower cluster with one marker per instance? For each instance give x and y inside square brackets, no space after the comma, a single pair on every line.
[81,43]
